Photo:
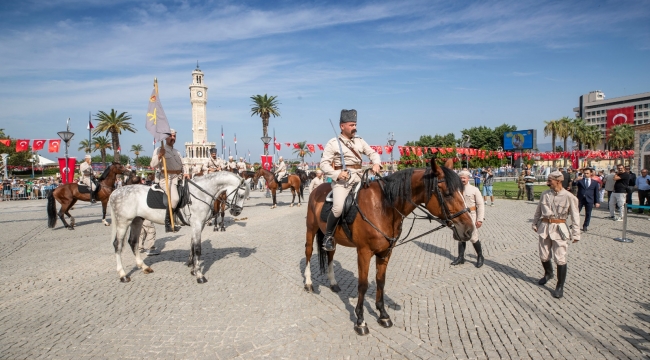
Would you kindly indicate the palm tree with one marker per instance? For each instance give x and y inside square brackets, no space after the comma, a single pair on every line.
[101,143]
[302,151]
[578,130]
[85,146]
[564,131]
[592,137]
[551,129]
[621,137]
[136,149]
[113,124]
[265,106]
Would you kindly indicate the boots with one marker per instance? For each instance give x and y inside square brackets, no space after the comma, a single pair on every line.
[168,224]
[328,242]
[277,181]
[561,276]
[462,245]
[479,254]
[548,272]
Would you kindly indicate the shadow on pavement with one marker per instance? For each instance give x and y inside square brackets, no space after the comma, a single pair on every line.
[641,337]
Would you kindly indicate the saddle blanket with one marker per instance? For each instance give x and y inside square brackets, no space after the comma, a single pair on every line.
[83,189]
[156,199]
[349,209]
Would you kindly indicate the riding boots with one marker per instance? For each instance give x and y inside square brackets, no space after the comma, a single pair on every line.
[168,224]
[462,245]
[328,242]
[548,272]
[479,254]
[277,181]
[561,277]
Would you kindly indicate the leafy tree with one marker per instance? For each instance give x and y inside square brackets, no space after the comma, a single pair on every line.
[502,129]
[85,146]
[621,137]
[113,124]
[265,106]
[592,137]
[558,148]
[102,144]
[448,140]
[578,130]
[551,128]
[564,131]
[124,159]
[143,161]
[302,151]
[136,149]
[482,137]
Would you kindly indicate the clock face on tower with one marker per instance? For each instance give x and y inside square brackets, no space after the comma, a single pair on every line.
[199,93]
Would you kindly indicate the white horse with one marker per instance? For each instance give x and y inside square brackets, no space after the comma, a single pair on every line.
[129,209]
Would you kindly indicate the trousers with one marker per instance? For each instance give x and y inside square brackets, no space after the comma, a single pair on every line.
[173,190]
[588,208]
[548,247]
[147,235]
[644,199]
[616,200]
[86,181]
[529,193]
[339,193]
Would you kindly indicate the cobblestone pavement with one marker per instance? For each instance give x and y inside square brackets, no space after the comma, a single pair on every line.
[61,295]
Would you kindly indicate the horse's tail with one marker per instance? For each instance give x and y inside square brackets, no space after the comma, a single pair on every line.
[322,254]
[302,190]
[51,210]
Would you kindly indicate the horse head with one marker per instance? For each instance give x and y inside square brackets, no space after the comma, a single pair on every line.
[236,196]
[446,199]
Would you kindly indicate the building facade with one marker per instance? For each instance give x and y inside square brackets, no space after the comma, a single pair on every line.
[199,149]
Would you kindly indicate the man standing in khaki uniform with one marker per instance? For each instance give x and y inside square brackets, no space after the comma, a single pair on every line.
[175,171]
[315,182]
[555,206]
[521,184]
[474,201]
[241,165]
[148,239]
[330,163]
[86,171]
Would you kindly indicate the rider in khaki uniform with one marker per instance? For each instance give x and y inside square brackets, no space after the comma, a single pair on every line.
[474,201]
[241,165]
[86,171]
[280,172]
[555,206]
[175,171]
[213,164]
[231,165]
[330,163]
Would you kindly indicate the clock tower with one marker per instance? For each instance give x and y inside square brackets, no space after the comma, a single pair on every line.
[199,148]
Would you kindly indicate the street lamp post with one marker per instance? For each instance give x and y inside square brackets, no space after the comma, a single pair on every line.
[4,163]
[500,149]
[391,143]
[66,136]
[266,140]
[466,144]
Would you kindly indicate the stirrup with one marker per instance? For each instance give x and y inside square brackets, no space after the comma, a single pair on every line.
[328,243]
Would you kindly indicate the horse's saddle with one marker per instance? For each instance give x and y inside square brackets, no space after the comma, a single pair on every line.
[84,189]
[157,199]
[350,209]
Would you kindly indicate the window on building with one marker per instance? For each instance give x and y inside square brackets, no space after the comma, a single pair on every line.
[645,106]
[645,113]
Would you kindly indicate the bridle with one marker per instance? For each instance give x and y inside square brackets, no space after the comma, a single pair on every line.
[233,202]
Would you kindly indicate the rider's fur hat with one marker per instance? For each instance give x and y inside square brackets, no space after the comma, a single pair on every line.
[348,116]
[213,151]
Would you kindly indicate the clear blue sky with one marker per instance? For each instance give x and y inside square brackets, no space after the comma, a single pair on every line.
[411,67]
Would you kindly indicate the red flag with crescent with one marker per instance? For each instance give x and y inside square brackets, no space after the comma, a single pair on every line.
[288,144]
[5,142]
[54,146]
[296,146]
[267,162]
[620,116]
[379,150]
[38,145]
[277,146]
[320,147]
[389,149]
[311,147]
[22,145]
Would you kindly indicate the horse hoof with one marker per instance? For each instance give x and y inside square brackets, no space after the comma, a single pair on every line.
[223,229]
[309,288]
[291,205]
[189,264]
[106,223]
[335,288]
[147,270]
[361,330]
[298,205]
[202,280]
[192,273]
[125,279]
[385,323]
[70,228]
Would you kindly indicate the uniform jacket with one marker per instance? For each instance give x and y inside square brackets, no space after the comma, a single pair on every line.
[241,166]
[560,205]
[213,164]
[173,159]
[315,182]
[85,169]
[331,157]
[282,167]
[473,198]
[231,165]
[590,194]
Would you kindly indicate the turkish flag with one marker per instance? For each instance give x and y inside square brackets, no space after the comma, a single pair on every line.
[288,144]
[311,147]
[408,150]
[22,145]
[442,151]
[296,146]
[320,147]
[389,149]
[401,150]
[277,146]
[620,116]
[419,151]
[267,162]
[67,170]
[433,150]
[5,142]
[38,145]
[54,146]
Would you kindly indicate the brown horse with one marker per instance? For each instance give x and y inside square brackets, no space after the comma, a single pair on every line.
[68,194]
[132,178]
[382,207]
[293,183]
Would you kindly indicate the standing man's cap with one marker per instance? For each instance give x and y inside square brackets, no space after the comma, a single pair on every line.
[465,173]
[348,116]
[87,156]
[556,175]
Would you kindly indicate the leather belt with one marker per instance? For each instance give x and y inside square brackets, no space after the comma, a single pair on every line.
[356,167]
[173,172]
[554,221]
[473,208]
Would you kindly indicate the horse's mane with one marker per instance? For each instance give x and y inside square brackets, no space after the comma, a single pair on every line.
[105,173]
[451,179]
[397,186]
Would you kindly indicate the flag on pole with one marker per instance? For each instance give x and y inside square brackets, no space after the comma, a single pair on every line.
[235,138]
[156,122]
[38,145]
[54,146]
[90,124]
[22,145]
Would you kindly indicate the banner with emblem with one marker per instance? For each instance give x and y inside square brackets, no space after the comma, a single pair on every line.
[54,146]
[38,145]
[156,123]
[267,162]
[67,170]
[22,145]
[620,116]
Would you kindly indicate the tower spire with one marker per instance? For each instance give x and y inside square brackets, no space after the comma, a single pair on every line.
[197,65]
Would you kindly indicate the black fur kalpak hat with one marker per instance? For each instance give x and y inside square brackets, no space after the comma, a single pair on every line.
[348,116]
[213,151]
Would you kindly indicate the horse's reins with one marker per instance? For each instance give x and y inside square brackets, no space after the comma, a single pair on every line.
[214,197]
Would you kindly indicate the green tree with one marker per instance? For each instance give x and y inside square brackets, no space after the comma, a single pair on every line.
[564,131]
[264,107]
[143,161]
[592,137]
[551,128]
[136,149]
[621,137]
[482,137]
[445,141]
[85,146]
[302,151]
[113,124]
[558,148]
[578,131]
[102,144]
[500,130]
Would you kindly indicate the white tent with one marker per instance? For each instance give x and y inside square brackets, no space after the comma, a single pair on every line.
[45,162]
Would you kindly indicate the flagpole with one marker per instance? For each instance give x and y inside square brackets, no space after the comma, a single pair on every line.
[236,145]
[89,145]
[274,147]
[223,147]
[167,189]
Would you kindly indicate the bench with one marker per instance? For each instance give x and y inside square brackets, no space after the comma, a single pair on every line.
[624,212]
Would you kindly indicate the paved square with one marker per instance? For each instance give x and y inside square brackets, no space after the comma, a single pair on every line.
[61,295]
